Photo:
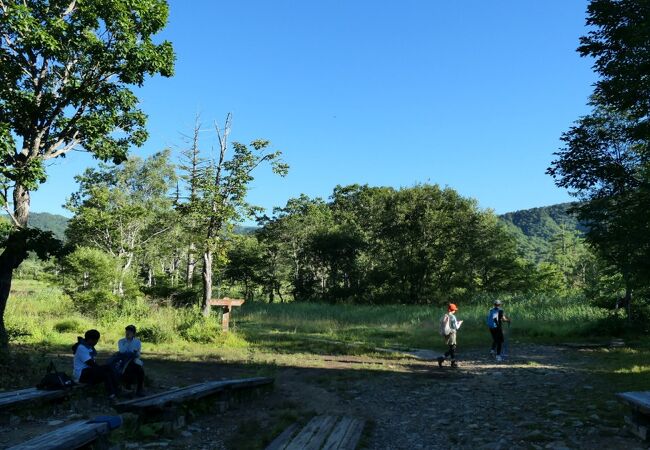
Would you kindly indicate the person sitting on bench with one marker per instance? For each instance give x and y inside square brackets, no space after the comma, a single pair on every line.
[85,368]
[129,348]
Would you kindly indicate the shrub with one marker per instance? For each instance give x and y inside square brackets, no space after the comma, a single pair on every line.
[197,328]
[95,302]
[88,269]
[155,334]
[69,326]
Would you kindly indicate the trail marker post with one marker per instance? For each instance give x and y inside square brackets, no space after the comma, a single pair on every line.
[226,306]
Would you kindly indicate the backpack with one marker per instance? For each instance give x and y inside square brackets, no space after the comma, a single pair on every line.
[493,318]
[445,329]
[54,380]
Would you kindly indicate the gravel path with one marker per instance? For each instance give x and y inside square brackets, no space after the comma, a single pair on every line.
[539,399]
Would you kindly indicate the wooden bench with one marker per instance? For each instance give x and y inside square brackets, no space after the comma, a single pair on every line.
[321,433]
[13,399]
[73,436]
[639,420]
[194,392]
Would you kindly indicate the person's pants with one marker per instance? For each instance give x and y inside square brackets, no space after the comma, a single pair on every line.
[497,339]
[100,374]
[450,340]
[451,353]
[134,373]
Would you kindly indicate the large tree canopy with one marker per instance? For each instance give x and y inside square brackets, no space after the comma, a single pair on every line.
[65,68]
[65,71]
[606,157]
[620,43]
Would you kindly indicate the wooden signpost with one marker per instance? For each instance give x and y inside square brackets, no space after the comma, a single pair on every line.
[226,304]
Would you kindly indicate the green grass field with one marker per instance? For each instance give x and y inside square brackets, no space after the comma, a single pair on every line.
[265,338]
[42,314]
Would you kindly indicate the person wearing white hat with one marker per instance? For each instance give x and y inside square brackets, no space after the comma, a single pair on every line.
[495,320]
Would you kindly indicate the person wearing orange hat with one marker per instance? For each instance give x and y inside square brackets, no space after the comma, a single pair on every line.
[449,325]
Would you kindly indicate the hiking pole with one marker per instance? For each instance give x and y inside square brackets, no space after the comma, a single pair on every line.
[506,338]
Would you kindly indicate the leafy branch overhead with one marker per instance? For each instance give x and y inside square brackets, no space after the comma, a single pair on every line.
[65,71]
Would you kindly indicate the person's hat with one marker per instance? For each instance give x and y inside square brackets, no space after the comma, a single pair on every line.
[497,302]
[130,328]
[452,307]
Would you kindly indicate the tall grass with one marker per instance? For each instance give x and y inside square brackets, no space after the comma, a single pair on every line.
[39,313]
[540,319]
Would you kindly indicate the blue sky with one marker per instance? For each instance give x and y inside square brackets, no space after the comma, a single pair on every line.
[469,94]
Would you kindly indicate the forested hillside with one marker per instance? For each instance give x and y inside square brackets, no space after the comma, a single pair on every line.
[536,228]
[533,228]
[55,223]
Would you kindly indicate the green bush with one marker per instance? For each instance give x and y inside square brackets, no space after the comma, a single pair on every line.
[96,302]
[69,326]
[197,328]
[155,334]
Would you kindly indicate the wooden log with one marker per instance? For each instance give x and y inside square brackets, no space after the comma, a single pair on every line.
[225,319]
[69,437]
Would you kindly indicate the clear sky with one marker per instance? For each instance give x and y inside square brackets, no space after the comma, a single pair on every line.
[471,94]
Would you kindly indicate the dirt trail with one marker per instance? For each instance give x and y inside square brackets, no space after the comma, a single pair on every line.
[540,398]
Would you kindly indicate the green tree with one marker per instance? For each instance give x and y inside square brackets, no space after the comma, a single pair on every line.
[606,157]
[221,202]
[618,42]
[124,210]
[65,71]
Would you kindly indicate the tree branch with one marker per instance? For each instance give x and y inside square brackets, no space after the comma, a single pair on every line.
[70,8]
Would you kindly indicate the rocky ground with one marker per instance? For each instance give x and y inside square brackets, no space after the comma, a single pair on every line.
[540,398]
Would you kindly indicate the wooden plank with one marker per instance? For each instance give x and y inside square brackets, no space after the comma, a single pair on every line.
[281,442]
[69,437]
[193,392]
[352,436]
[153,396]
[312,433]
[226,302]
[15,398]
[639,401]
[338,434]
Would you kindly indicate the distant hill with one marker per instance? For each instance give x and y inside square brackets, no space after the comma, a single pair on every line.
[534,228]
[55,223]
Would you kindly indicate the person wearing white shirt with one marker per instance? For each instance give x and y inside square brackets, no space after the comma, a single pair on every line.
[131,347]
[85,368]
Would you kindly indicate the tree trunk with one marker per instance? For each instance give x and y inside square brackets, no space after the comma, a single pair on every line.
[15,252]
[6,274]
[191,263]
[207,282]
[628,302]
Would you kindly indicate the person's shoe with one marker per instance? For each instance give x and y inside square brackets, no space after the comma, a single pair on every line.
[454,364]
[499,358]
[493,353]
[440,361]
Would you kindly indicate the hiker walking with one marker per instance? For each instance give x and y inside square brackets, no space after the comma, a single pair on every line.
[449,325]
[495,319]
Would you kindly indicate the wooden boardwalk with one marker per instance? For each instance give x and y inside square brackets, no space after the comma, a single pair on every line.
[321,433]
